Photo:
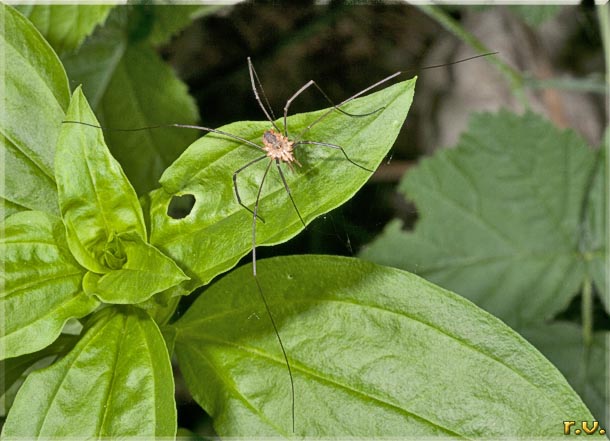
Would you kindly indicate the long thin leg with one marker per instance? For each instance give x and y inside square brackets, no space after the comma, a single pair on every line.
[235,173]
[313,83]
[260,291]
[321,117]
[385,80]
[279,339]
[333,146]
[254,80]
[255,215]
[184,126]
[277,163]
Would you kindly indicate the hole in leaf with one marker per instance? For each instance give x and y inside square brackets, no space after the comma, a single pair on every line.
[181,206]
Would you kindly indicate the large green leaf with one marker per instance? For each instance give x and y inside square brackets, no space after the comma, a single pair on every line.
[41,283]
[587,370]
[374,351]
[97,201]
[66,26]
[129,87]
[34,96]
[500,217]
[117,382]
[170,19]
[217,232]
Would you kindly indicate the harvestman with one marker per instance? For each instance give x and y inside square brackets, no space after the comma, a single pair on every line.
[279,148]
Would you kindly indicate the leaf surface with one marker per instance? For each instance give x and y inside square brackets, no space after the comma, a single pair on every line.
[500,217]
[375,352]
[218,231]
[35,95]
[41,283]
[116,382]
[66,26]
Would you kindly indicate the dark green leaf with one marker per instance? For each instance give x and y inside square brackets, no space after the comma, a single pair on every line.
[129,87]
[66,26]
[97,201]
[217,233]
[146,272]
[500,217]
[35,95]
[374,352]
[117,382]
[42,283]
[587,370]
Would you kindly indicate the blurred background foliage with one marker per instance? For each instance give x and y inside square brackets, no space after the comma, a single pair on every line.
[144,65]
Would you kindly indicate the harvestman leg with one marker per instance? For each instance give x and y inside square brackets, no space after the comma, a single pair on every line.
[254,81]
[333,146]
[235,173]
[279,169]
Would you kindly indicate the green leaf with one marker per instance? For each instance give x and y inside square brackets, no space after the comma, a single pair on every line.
[587,370]
[97,201]
[41,280]
[13,369]
[65,26]
[129,87]
[34,97]
[596,229]
[375,352]
[117,382]
[146,272]
[500,217]
[218,231]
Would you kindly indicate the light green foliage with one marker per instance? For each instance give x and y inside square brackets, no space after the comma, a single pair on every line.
[65,26]
[103,217]
[129,86]
[34,97]
[41,283]
[217,233]
[500,220]
[116,382]
[374,352]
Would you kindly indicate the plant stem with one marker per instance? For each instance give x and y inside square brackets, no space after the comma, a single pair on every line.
[587,312]
[514,77]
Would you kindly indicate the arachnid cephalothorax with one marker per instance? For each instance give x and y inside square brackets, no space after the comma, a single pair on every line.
[278,146]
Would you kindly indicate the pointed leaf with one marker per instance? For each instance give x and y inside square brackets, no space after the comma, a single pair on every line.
[97,201]
[34,97]
[500,217]
[66,26]
[375,352]
[145,272]
[218,231]
[116,382]
[41,283]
